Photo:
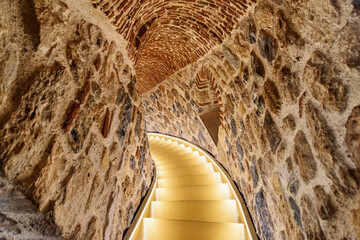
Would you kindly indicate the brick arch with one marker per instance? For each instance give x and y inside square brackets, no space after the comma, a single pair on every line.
[165,36]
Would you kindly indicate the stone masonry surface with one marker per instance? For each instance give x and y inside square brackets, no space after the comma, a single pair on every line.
[72,134]
[81,81]
[287,88]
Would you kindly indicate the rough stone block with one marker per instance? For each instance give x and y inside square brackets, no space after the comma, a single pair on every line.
[272,97]
[303,157]
[272,132]
[324,204]
[267,46]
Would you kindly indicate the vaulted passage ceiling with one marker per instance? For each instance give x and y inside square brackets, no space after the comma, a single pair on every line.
[166,35]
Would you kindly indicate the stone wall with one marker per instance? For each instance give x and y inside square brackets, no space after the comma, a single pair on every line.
[172,108]
[72,135]
[19,218]
[285,82]
[287,86]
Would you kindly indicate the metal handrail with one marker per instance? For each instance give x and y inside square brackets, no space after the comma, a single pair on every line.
[134,229]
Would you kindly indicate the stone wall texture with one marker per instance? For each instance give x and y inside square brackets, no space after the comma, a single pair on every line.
[287,87]
[173,108]
[19,218]
[283,75]
[68,112]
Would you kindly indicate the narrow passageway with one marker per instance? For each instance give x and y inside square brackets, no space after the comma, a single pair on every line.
[263,94]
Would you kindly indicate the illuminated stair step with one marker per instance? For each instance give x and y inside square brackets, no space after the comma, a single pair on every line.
[189,163]
[206,211]
[170,148]
[175,147]
[165,152]
[208,192]
[205,179]
[162,143]
[175,157]
[158,229]
[186,171]
[181,161]
[172,160]
[181,154]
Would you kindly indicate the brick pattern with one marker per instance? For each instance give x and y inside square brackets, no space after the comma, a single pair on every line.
[165,36]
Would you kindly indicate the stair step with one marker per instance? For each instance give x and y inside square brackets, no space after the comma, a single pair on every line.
[176,157]
[209,192]
[158,229]
[188,163]
[162,144]
[186,171]
[205,179]
[168,151]
[179,160]
[205,211]
[173,147]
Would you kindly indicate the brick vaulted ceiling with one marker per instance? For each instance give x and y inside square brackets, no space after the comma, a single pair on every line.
[166,35]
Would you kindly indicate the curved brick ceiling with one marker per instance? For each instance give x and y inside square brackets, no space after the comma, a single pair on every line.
[166,35]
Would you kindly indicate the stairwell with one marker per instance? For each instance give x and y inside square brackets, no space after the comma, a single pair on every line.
[191,199]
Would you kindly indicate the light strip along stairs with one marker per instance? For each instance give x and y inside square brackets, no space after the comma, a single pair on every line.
[192,198]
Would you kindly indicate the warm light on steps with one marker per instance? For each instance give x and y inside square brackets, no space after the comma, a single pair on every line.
[192,197]
[205,179]
[159,229]
[173,159]
[192,162]
[205,211]
[186,171]
[208,192]
[171,155]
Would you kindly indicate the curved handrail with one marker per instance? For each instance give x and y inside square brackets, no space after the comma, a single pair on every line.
[134,229]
